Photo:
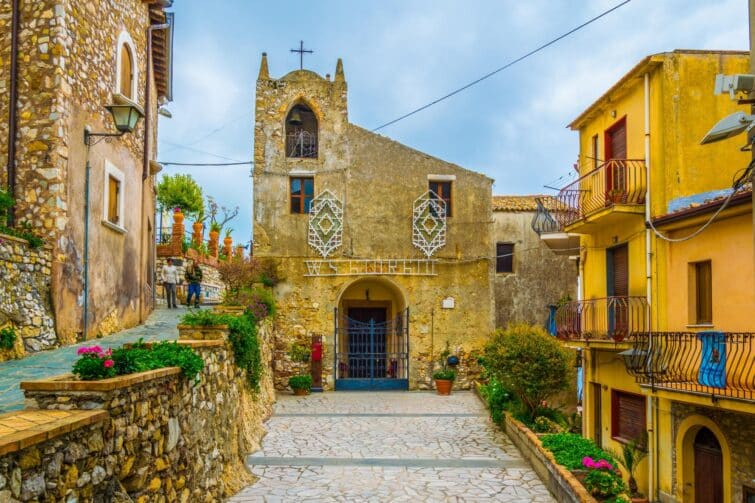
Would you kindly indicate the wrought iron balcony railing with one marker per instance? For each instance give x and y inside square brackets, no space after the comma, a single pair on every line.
[617,181]
[719,364]
[610,318]
[544,222]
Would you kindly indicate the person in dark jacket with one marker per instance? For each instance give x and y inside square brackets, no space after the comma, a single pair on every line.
[193,275]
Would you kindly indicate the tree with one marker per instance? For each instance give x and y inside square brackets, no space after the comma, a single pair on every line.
[180,191]
[213,209]
[530,363]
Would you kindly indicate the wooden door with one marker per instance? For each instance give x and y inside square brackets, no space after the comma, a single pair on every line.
[709,468]
[597,413]
[616,154]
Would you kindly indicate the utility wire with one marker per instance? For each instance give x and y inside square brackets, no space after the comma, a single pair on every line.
[507,65]
[243,163]
[185,147]
[212,132]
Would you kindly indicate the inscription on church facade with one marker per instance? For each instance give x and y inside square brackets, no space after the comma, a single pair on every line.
[371,267]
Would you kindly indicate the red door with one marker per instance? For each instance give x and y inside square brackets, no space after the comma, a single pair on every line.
[709,468]
[616,154]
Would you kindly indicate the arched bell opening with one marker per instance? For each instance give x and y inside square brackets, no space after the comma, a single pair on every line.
[301,132]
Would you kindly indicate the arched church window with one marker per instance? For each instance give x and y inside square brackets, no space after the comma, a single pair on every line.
[301,132]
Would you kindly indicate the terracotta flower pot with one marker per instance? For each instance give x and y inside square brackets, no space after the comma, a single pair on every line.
[301,392]
[443,386]
[178,217]
[640,500]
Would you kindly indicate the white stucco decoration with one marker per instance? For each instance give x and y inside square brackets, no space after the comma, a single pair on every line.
[325,223]
[429,223]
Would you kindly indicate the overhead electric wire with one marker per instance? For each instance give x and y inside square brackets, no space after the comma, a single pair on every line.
[242,163]
[507,65]
[210,133]
[185,147]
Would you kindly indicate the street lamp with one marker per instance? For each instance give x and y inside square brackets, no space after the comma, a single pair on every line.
[126,115]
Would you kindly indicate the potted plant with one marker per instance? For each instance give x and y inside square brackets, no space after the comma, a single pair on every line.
[178,216]
[214,235]
[301,384]
[198,228]
[632,453]
[227,244]
[444,378]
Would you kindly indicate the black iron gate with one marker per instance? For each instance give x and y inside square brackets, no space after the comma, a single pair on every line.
[373,354]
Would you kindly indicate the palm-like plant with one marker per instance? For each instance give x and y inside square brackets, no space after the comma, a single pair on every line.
[632,453]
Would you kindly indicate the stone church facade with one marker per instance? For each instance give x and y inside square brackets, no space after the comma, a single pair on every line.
[383,251]
[73,58]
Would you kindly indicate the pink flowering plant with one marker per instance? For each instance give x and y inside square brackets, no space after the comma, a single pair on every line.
[603,479]
[94,363]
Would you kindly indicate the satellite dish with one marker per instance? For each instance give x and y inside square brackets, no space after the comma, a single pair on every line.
[734,124]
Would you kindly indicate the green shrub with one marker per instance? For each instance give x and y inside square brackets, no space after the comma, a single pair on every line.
[604,483]
[7,338]
[299,353]
[180,191]
[205,318]
[496,397]
[300,382]
[246,347]
[95,363]
[543,424]
[569,449]
[529,362]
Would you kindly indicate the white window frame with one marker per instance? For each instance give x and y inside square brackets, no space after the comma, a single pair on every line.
[112,171]
[125,39]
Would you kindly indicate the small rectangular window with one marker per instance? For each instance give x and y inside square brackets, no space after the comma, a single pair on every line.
[504,257]
[628,420]
[114,196]
[302,190]
[443,190]
[703,292]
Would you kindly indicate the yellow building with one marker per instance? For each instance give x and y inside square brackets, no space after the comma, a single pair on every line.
[664,324]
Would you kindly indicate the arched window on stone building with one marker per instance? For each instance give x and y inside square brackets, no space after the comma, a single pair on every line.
[301,132]
[126,68]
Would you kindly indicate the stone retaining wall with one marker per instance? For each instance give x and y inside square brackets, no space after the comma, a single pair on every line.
[166,438]
[25,296]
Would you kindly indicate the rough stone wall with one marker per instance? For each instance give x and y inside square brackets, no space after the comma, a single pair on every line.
[67,67]
[25,296]
[540,277]
[378,181]
[740,436]
[70,467]
[170,440]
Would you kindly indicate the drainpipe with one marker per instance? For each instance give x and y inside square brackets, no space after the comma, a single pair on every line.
[85,328]
[651,414]
[145,159]
[12,105]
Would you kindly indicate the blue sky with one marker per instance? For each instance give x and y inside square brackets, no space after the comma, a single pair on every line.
[399,55]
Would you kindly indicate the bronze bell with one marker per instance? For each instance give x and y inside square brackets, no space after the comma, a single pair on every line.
[295,118]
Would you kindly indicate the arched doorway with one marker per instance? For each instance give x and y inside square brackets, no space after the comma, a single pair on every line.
[301,132]
[709,467]
[372,337]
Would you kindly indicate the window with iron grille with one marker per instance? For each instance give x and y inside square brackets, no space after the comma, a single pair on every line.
[301,132]
[302,190]
[443,190]
[504,257]
[627,416]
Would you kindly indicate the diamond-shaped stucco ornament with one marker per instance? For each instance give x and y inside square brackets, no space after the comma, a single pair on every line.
[429,223]
[325,223]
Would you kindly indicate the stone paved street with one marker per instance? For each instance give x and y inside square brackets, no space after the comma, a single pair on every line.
[161,325]
[410,446]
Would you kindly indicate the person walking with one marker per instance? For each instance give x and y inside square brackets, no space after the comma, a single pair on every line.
[169,276]
[193,276]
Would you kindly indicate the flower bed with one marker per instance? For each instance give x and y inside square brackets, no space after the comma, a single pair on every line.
[94,363]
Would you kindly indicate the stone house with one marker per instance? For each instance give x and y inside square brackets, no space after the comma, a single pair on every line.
[61,63]
[529,276]
[384,251]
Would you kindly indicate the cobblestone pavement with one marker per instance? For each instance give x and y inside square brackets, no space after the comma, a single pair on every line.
[161,325]
[386,447]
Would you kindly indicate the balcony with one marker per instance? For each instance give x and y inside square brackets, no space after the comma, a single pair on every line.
[546,224]
[609,319]
[607,193]
[717,364]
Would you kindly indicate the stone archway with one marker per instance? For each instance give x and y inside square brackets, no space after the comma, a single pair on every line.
[698,436]
[372,336]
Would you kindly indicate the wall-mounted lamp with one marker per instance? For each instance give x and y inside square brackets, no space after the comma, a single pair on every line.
[578,359]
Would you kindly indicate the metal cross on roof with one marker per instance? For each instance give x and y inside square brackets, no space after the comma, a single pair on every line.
[301,50]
